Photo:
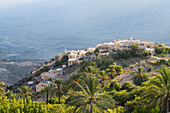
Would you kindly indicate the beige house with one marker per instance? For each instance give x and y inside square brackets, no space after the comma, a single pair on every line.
[91,49]
[148,46]
[47,75]
[120,45]
[73,61]
[42,85]
[59,71]
[73,54]
[52,74]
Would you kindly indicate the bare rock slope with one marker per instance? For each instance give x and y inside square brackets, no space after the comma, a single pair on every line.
[11,72]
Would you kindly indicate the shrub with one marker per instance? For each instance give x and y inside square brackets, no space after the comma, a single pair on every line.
[57,63]
[64,59]
[52,59]
[115,85]
[126,86]
[88,53]
[96,50]
[145,53]
[150,68]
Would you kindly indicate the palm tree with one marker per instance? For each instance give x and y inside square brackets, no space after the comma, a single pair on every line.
[139,77]
[91,71]
[11,95]
[59,88]
[2,90]
[159,91]
[25,91]
[92,96]
[48,90]
[72,81]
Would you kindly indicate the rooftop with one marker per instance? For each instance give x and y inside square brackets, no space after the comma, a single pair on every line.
[58,69]
[73,59]
[30,82]
[48,74]
[46,82]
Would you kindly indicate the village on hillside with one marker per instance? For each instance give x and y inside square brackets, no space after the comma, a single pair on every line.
[121,70]
[62,68]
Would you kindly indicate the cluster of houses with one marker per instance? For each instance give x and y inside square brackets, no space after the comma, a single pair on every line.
[120,45]
[104,49]
[73,56]
[50,75]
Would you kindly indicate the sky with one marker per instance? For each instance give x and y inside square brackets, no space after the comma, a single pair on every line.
[13,3]
[4,4]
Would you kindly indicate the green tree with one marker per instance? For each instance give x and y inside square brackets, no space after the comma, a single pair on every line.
[139,77]
[134,48]
[159,90]
[115,85]
[59,88]
[64,59]
[48,90]
[126,86]
[145,53]
[57,56]
[2,90]
[25,91]
[115,55]
[150,68]
[96,50]
[72,81]
[57,63]
[91,97]
[114,70]
[92,71]
[11,95]
[159,49]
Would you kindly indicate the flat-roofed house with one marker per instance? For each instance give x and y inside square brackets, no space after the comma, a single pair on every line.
[91,49]
[64,66]
[148,46]
[47,75]
[42,85]
[81,53]
[72,55]
[59,71]
[73,61]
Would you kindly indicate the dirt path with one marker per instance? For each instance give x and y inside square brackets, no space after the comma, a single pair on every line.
[124,78]
[68,72]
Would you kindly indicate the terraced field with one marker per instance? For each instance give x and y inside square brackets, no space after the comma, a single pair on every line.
[133,64]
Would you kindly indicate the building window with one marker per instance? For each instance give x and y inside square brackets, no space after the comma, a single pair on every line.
[124,46]
[141,44]
[148,46]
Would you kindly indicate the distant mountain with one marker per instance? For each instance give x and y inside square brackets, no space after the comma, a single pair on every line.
[43,29]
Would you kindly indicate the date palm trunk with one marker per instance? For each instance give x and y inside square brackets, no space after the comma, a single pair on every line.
[59,97]
[167,107]
[47,98]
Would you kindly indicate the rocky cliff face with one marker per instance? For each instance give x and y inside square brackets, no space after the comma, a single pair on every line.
[11,72]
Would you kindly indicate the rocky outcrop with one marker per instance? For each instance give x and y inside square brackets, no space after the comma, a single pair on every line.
[11,72]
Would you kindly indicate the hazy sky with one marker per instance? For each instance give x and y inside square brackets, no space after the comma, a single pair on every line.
[12,3]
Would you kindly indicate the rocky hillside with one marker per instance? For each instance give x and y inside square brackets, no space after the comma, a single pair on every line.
[11,72]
